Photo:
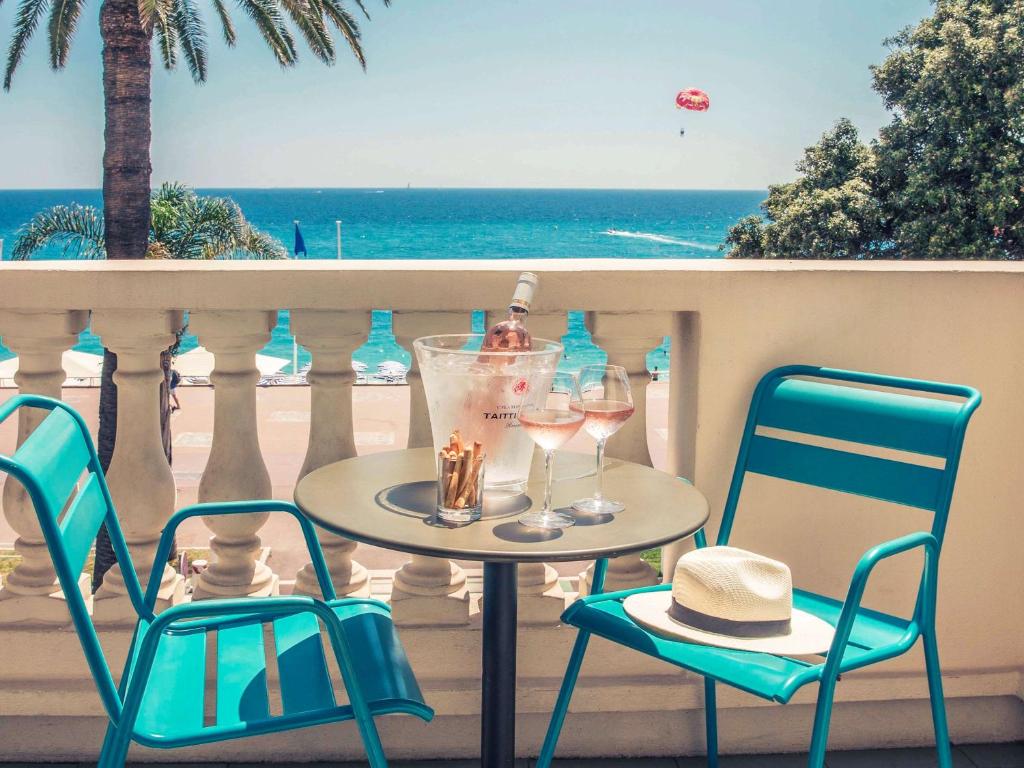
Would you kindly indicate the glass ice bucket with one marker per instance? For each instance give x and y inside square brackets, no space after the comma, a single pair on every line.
[478,393]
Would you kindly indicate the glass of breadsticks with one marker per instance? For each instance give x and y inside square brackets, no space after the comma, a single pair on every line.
[460,480]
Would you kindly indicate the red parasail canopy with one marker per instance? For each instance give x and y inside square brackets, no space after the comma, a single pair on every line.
[693,99]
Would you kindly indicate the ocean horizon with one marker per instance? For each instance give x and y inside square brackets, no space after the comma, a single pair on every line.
[451,223]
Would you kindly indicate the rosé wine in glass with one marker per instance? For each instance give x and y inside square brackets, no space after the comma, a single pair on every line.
[551,428]
[550,416]
[603,418]
[606,403]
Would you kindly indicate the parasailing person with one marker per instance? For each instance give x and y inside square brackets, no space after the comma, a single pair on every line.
[693,100]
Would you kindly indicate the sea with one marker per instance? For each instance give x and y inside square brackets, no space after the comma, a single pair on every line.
[450,224]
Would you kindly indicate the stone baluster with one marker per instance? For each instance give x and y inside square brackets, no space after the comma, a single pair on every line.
[627,338]
[682,416]
[541,598]
[427,590]
[140,479]
[235,470]
[331,336]
[31,592]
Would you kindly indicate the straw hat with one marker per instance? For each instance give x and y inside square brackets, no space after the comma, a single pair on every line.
[731,598]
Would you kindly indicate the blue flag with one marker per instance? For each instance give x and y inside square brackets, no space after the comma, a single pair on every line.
[300,244]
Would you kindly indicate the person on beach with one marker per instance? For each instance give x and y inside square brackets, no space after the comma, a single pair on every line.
[175,380]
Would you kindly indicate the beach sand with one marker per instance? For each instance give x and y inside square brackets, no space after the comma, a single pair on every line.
[381,420]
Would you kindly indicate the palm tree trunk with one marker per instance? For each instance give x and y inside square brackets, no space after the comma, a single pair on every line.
[126,102]
[127,132]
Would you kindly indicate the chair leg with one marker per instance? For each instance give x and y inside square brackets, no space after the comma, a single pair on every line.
[711,722]
[931,660]
[114,751]
[371,741]
[822,719]
[572,671]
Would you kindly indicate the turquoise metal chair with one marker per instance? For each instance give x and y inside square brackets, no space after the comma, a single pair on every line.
[160,701]
[807,401]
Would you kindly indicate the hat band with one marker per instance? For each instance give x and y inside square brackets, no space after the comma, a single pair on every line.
[720,626]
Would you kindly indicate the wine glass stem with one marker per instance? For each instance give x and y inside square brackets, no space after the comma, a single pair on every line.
[599,491]
[548,463]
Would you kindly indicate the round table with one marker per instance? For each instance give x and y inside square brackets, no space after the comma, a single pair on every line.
[388,499]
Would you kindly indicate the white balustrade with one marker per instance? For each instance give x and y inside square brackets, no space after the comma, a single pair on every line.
[31,593]
[140,479]
[235,470]
[331,337]
[627,338]
[427,590]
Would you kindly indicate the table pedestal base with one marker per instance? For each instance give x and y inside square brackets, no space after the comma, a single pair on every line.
[498,702]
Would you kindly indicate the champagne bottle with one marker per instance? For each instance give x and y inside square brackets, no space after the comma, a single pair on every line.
[510,335]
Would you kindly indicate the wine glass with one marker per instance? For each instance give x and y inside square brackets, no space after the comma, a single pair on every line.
[607,403]
[550,417]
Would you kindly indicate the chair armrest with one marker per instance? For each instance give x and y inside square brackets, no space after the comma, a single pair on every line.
[621,595]
[862,572]
[163,549]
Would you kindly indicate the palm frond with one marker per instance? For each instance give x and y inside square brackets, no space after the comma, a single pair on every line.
[153,13]
[167,42]
[63,21]
[25,22]
[225,21]
[307,15]
[348,26]
[191,37]
[256,244]
[271,25]
[173,192]
[79,228]
[362,7]
[204,228]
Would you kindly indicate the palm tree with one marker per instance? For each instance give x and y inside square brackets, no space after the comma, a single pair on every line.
[184,225]
[128,28]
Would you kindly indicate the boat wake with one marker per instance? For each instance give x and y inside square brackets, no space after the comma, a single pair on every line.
[655,238]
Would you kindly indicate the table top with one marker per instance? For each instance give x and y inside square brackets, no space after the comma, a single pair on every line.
[389,500]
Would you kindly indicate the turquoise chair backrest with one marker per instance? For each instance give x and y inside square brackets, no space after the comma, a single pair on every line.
[794,403]
[59,469]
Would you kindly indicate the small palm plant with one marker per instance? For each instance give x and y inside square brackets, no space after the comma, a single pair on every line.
[183,225]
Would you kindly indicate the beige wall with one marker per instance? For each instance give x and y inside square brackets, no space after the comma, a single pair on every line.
[958,322]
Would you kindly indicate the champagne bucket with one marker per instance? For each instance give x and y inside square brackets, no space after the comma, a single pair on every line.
[478,393]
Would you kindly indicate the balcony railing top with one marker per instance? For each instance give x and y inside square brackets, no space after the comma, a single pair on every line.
[439,285]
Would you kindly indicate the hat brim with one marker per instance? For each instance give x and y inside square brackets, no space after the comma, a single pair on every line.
[808,634]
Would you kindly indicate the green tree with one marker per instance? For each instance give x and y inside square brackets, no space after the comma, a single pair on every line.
[951,162]
[184,225]
[830,212]
[944,179]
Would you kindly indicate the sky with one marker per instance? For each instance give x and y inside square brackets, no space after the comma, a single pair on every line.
[481,93]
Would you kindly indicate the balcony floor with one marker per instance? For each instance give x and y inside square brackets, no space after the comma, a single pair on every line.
[1009,755]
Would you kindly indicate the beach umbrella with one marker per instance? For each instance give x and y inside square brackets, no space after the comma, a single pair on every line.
[76,365]
[200,362]
[82,365]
